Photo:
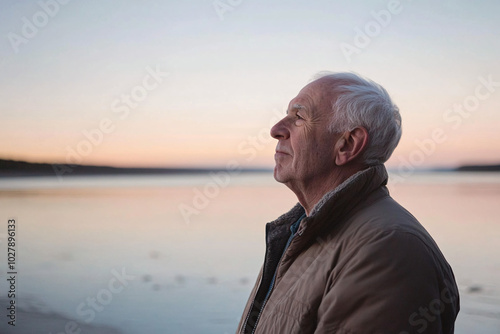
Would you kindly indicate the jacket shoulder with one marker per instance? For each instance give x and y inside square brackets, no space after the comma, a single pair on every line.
[386,224]
[388,263]
[382,217]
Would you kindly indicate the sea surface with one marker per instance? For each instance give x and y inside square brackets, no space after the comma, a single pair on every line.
[180,254]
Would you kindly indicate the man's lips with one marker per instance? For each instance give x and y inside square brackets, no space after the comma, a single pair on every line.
[279,152]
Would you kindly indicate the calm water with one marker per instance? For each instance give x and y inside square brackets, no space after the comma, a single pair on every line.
[117,255]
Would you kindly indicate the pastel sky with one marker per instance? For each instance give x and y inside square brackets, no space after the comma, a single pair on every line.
[198,83]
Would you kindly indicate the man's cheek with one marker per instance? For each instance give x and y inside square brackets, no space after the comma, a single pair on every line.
[307,132]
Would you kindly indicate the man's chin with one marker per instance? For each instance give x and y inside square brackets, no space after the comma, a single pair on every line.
[279,176]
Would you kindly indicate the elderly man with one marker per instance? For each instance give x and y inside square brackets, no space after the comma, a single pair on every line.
[347,258]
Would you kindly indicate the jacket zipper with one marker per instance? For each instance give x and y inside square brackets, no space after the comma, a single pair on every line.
[271,287]
[253,302]
[251,305]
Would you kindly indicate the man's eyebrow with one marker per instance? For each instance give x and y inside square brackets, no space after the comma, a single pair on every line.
[297,106]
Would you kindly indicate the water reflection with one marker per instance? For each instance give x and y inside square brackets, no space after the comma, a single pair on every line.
[195,277]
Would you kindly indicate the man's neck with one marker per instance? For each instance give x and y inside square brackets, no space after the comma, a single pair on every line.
[310,192]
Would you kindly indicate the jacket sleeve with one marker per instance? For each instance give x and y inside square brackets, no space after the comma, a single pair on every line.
[391,283]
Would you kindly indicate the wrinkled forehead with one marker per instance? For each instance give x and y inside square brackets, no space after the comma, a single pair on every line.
[316,97]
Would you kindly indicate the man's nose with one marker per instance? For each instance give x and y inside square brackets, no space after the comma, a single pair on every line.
[280,130]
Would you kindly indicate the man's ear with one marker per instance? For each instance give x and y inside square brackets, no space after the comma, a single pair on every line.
[351,145]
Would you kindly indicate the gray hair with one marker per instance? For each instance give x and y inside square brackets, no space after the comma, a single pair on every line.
[360,102]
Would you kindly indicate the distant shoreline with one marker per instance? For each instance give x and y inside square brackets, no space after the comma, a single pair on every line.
[478,168]
[13,168]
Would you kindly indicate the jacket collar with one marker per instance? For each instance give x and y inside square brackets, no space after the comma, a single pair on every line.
[335,204]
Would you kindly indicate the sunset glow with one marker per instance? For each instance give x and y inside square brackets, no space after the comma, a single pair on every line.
[190,84]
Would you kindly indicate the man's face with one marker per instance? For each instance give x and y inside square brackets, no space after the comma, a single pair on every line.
[305,149]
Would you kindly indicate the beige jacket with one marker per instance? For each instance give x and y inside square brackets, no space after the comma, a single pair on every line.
[359,263]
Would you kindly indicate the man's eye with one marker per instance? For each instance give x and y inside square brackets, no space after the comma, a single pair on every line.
[299,120]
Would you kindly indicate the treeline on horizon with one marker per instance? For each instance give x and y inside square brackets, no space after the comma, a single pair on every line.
[10,168]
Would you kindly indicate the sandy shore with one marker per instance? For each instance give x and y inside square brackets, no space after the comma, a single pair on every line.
[32,317]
